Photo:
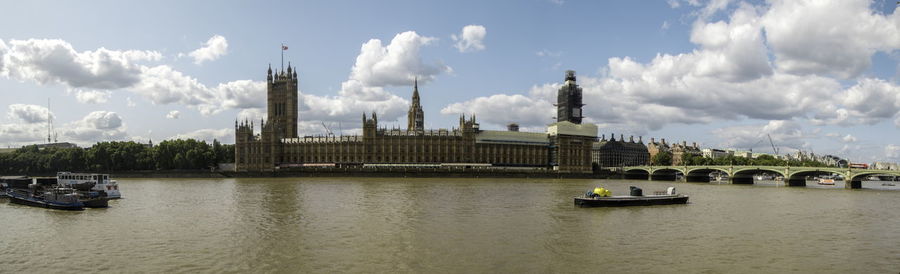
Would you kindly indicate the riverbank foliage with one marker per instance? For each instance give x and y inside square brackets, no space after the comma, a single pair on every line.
[762,160]
[118,156]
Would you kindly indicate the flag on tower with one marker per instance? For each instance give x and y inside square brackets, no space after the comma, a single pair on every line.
[283,48]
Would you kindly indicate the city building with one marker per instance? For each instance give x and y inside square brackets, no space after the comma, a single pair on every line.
[835,161]
[620,153]
[714,153]
[741,153]
[679,150]
[885,166]
[564,147]
[654,147]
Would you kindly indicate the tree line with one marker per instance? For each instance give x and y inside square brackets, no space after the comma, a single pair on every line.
[665,159]
[117,156]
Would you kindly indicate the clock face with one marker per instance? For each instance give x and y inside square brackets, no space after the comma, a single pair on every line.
[576,112]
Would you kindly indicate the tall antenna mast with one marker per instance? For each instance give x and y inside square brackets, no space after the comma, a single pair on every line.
[49,122]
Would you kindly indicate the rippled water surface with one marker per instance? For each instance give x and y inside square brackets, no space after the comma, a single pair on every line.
[303,225]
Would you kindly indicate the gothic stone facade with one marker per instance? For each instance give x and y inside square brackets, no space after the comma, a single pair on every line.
[277,146]
[620,153]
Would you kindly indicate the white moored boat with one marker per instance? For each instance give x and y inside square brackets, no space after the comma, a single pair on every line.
[93,181]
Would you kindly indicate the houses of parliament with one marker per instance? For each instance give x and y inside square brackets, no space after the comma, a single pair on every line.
[565,147]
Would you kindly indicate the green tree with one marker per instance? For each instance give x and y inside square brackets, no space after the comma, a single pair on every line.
[663,158]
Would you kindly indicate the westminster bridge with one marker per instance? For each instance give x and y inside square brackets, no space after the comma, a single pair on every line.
[793,176]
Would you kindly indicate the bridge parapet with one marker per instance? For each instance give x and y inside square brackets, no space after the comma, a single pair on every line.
[793,175]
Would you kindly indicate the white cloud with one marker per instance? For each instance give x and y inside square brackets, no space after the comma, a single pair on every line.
[164,85]
[29,127]
[785,134]
[55,61]
[29,114]
[3,50]
[848,139]
[398,63]
[351,102]
[815,37]
[215,47]
[547,53]
[729,76]
[96,126]
[732,51]
[173,114]
[130,103]
[92,96]
[241,94]
[892,151]
[252,114]
[871,100]
[665,25]
[712,7]
[207,135]
[470,39]
[19,134]
[673,3]
[47,61]
[376,67]
[516,108]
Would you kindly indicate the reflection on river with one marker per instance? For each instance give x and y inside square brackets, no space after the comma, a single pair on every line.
[304,225]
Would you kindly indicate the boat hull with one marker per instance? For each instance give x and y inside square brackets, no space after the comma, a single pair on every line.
[34,203]
[618,201]
[96,202]
[28,201]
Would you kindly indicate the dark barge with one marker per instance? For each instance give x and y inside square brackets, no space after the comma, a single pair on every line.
[58,198]
[613,201]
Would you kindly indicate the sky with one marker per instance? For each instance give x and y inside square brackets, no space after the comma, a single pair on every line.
[817,76]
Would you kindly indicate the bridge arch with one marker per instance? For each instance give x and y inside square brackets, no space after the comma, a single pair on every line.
[702,174]
[637,174]
[666,174]
[799,178]
[858,176]
[745,175]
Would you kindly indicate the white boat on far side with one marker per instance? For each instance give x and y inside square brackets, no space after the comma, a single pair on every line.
[100,182]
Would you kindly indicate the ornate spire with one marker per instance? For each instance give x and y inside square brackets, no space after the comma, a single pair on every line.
[415,96]
[415,116]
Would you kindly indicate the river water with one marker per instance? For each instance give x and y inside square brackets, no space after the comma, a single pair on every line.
[378,225]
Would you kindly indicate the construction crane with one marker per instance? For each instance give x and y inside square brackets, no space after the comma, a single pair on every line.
[774,148]
[328,130]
